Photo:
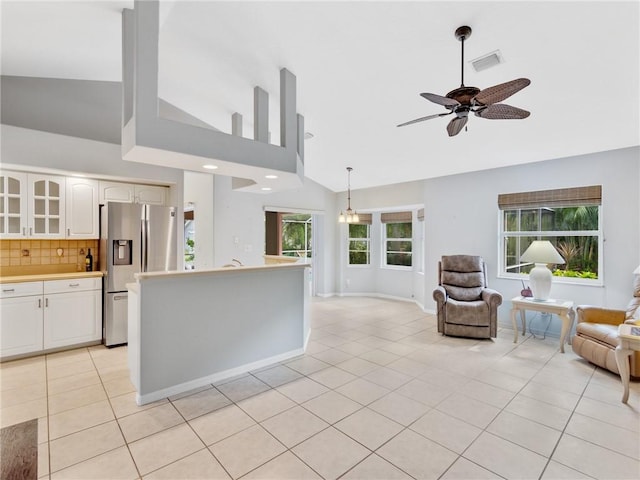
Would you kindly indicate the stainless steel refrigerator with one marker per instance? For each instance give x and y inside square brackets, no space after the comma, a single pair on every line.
[133,238]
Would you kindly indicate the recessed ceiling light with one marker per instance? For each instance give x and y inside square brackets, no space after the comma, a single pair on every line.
[210,167]
[271,177]
[266,189]
[308,135]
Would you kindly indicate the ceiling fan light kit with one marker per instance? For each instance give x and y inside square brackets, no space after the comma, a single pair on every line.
[483,103]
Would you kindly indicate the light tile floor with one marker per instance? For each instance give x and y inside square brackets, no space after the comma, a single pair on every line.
[379,395]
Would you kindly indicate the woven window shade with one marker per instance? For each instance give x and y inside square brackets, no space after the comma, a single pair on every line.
[421,214]
[364,219]
[395,217]
[562,197]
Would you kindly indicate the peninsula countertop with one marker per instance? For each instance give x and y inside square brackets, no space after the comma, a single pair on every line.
[220,270]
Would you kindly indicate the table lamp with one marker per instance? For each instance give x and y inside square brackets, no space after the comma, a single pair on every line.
[541,252]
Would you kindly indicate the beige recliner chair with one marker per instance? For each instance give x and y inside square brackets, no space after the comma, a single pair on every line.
[596,335]
[466,307]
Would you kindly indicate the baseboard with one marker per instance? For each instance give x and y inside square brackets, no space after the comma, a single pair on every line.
[216,377]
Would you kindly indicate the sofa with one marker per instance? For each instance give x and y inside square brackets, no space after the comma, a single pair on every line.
[596,335]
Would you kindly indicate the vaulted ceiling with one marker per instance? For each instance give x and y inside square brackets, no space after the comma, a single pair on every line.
[360,68]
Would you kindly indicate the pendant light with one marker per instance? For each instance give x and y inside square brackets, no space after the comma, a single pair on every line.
[352,215]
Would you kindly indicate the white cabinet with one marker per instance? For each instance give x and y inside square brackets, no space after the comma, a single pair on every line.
[72,312]
[151,194]
[116,192]
[32,205]
[46,206]
[40,316]
[13,204]
[20,318]
[43,206]
[81,210]
[132,193]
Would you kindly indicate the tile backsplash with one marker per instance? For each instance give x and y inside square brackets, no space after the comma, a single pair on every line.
[32,257]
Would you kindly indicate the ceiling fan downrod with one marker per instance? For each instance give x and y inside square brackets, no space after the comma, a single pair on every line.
[462,33]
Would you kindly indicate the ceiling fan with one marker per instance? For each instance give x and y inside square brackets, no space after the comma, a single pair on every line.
[483,103]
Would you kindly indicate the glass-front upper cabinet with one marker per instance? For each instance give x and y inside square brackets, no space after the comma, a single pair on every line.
[46,206]
[13,204]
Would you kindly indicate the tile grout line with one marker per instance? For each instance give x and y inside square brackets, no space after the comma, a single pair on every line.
[562,434]
[115,416]
[541,366]
[46,379]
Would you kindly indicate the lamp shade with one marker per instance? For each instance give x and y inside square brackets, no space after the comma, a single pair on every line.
[541,251]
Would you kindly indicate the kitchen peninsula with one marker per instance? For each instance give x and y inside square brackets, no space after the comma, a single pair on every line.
[189,329]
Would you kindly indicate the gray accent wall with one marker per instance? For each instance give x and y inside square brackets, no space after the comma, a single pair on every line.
[78,108]
[461,216]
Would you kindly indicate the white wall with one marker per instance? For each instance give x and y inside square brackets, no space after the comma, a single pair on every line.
[462,217]
[375,279]
[239,230]
[198,189]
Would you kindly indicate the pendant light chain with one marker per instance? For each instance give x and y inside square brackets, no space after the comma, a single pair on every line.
[351,216]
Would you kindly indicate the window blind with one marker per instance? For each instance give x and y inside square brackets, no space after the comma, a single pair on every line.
[396,217]
[364,219]
[562,197]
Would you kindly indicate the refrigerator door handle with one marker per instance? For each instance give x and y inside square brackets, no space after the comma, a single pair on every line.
[143,245]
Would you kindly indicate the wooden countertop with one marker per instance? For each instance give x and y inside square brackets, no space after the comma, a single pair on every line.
[48,276]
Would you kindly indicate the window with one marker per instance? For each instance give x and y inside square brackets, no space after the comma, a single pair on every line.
[359,243]
[421,233]
[398,239]
[189,237]
[568,218]
[296,235]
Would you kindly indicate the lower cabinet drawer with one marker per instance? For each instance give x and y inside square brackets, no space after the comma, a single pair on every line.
[75,285]
[22,289]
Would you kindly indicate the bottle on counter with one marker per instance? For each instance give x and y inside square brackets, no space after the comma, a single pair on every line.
[88,261]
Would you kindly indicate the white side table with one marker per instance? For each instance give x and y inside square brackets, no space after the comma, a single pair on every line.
[629,341]
[562,308]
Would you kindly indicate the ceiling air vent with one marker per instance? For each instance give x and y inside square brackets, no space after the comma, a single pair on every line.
[487,61]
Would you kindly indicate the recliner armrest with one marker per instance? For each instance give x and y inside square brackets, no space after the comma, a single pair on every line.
[440,295]
[592,314]
[492,297]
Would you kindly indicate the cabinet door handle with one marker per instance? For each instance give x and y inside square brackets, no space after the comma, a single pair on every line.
[24,231]
[68,232]
[39,303]
[46,302]
[74,284]
[8,289]
[120,297]
[31,231]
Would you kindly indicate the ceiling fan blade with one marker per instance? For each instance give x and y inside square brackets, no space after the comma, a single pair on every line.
[440,100]
[422,119]
[501,111]
[456,125]
[497,93]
